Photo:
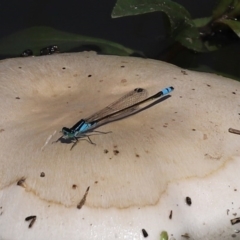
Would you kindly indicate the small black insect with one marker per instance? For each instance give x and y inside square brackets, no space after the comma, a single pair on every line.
[26,53]
[188,201]
[49,50]
[144,232]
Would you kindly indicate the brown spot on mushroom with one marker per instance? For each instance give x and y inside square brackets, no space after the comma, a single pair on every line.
[123,81]
[116,152]
[83,200]
[17,97]
[74,186]
[170,215]
[2,130]
[42,174]
[205,136]
[184,72]
[21,182]
[212,157]
[185,235]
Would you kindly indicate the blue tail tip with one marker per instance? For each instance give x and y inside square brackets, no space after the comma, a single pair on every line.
[167,90]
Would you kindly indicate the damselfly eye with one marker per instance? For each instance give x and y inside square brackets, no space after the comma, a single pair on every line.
[66,131]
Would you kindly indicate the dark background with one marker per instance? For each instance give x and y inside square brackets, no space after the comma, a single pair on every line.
[142,32]
[93,18]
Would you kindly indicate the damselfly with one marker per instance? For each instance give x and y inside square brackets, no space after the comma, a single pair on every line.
[123,107]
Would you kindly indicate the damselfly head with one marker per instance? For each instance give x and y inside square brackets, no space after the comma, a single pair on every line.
[67,133]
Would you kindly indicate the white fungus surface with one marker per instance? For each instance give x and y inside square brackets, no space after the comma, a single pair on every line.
[146,167]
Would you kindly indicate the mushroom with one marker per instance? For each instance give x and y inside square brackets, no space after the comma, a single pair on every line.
[135,176]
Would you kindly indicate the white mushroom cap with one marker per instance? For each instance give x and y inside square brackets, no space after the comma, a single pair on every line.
[137,174]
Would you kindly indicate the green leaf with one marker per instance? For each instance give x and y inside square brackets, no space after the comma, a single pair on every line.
[234,25]
[225,7]
[36,38]
[175,12]
[235,11]
[201,22]
[203,27]
[183,28]
[190,38]
[211,46]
